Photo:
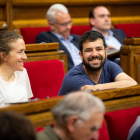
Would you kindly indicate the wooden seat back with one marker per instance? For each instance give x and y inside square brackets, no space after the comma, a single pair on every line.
[46,51]
[130,58]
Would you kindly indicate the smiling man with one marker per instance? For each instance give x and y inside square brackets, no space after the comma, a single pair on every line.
[96,72]
[60,23]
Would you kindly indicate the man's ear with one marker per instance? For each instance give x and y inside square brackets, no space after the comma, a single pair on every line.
[71,122]
[106,52]
[92,21]
[81,55]
[2,56]
[51,25]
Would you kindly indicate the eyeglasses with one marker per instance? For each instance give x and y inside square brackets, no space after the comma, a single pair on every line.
[65,24]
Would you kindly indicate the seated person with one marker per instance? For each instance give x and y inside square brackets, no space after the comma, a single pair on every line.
[96,72]
[15,126]
[134,132]
[99,18]
[75,120]
[60,23]
[14,81]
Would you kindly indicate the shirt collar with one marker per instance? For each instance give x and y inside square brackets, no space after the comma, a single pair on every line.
[61,37]
[110,33]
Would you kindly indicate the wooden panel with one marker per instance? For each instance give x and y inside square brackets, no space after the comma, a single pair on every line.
[32,13]
[39,111]
[130,60]
[9,15]
[46,51]
[60,55]
[42,47]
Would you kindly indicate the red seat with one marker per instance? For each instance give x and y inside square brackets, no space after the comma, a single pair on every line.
[45,77]
[29,34]
[103,134]
[119,122]
[131,29]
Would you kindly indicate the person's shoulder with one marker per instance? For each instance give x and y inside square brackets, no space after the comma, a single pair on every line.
[76,36]
[117,31]
[76,70]
[44,33]
[110,64]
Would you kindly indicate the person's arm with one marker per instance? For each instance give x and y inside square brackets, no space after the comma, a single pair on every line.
[122,80]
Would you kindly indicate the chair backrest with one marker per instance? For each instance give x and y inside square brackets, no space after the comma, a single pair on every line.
[131,29]
[45,77]
[119,122]
[29,34]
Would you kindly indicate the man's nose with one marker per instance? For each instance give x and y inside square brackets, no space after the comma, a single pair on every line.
[94,53]
[95,135]
[68,26]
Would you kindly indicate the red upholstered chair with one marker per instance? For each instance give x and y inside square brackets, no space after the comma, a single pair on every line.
[131,29]
[45,77]
[103,134]
[29,34]
[119,122]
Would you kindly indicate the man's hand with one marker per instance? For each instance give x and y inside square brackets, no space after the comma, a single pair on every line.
[111,48]
[89,87]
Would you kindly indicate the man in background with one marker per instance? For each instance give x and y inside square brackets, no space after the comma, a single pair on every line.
[99,18]
[60,22]
[78,116]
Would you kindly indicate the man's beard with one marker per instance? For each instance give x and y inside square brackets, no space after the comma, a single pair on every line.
[92,68]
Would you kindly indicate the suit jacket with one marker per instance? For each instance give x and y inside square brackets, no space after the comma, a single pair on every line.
[119,35]
[47,134]
[48,37]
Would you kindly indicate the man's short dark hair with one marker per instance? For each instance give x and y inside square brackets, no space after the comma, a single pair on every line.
[90,36]
[91,15]
[15,126]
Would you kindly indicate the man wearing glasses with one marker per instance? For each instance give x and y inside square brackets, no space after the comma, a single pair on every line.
[60,23]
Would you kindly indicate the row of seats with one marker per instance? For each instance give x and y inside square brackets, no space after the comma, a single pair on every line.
[29,34]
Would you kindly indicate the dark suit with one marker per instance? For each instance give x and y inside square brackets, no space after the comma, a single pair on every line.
[119,35]
[49,37]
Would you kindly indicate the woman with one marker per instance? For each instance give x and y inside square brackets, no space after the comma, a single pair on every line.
[14,81]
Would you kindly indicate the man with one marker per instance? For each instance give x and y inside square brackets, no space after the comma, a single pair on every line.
[96,72]
[99,19]
[60,23]
[75,120]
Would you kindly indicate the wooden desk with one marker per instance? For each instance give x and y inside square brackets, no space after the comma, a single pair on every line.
[112,54]
[39,111]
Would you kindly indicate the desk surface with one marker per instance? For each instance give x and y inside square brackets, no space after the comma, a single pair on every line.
[112,52]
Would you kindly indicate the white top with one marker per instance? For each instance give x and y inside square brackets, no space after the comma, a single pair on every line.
[17,91]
